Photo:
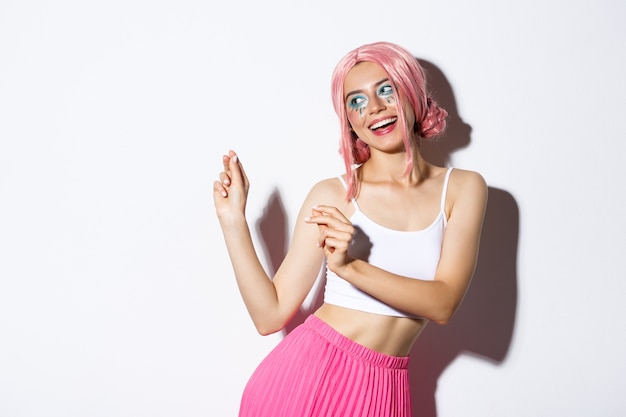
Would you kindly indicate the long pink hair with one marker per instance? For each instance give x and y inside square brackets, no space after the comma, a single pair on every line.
[409,80]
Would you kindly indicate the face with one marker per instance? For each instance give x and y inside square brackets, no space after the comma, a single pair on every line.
[371,106]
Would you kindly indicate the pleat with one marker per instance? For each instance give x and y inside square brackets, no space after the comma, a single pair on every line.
[317,372]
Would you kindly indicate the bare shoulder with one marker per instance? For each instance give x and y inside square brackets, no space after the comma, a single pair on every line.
[463,178]
[329,191]
[467,187]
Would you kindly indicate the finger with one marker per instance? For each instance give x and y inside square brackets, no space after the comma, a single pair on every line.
[226,162]
[219,189]
[224,178]
[321,238]
[320,225]
[335,245]
[234,170]
[330,210]
[332,222]
[237,170]
[332,217]
[238,175]
[335,239]
[316,212]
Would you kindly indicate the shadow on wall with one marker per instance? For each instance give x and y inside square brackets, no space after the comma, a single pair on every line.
[457,134]
[483,326]
[274,236]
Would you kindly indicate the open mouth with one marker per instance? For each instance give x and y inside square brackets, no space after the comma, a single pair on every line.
[383,123]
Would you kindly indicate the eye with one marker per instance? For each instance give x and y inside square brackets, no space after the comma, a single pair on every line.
[357,102]
[385,90]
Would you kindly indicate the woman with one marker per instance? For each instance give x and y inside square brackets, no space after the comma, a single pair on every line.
[399,237]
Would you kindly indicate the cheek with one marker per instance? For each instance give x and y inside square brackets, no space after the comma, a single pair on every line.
[354,117]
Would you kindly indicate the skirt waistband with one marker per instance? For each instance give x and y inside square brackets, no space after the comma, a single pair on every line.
[353,348]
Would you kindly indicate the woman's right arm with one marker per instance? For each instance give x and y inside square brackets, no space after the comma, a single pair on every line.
[271,303]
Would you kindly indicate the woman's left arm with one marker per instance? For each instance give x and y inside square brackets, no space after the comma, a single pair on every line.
[436,300]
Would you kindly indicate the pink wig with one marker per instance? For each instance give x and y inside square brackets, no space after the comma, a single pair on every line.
[409,80]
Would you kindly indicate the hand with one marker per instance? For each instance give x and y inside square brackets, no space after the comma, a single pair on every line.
[230,193]
[336,233]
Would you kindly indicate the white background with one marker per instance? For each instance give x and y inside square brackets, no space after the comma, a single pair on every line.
[116,294]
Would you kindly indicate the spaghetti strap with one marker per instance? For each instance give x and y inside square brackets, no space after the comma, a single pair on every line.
[345,185]
[445,190]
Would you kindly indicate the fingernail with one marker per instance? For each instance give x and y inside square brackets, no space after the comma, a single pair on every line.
[224,194]
[235,159]
[306,219]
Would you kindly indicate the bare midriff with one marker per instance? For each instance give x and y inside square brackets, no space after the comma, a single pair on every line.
[385,334]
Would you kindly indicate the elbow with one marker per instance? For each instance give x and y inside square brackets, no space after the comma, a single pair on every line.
[442,321]
[444,315]
[267,328]
[265,332]
[445,308]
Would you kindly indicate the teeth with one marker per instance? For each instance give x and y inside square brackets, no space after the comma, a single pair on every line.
[383,123]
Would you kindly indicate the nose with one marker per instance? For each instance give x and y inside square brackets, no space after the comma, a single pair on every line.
[377,105]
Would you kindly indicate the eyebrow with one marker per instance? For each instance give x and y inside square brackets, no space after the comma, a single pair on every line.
[360,91]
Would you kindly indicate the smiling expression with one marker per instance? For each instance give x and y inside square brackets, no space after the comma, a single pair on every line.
[372,106]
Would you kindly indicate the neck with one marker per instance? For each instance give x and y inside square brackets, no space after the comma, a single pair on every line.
[392,167]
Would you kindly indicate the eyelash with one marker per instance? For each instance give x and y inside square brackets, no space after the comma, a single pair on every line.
[385,90]
[359,102]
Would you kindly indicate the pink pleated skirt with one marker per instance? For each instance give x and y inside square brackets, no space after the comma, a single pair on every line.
[317,372]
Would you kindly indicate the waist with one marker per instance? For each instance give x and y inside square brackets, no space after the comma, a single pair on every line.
[393,336]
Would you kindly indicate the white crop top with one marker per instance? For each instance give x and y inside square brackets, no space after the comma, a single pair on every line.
[414,254]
